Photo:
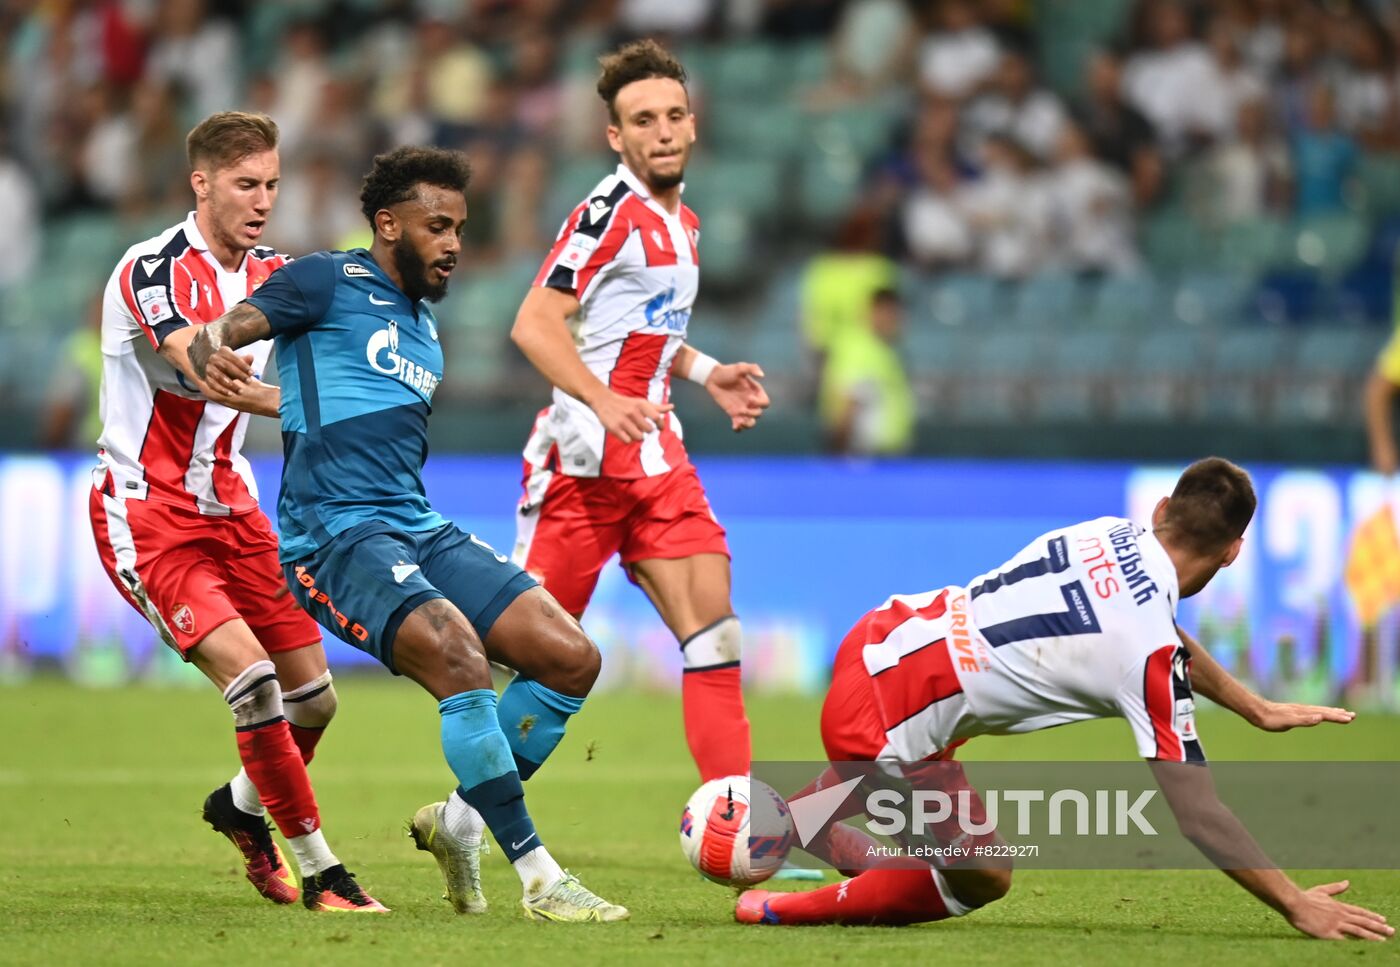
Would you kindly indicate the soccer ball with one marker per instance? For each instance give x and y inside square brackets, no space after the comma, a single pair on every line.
[715,833]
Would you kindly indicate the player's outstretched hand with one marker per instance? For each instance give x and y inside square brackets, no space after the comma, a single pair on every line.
[1317,914]
[737,390]
[629,418]
[1282,716]
[228,371]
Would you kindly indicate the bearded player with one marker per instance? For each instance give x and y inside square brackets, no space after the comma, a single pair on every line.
[1079,625]
[175,515]
[605,469]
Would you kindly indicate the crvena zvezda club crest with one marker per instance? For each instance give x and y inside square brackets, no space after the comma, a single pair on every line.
[183,618]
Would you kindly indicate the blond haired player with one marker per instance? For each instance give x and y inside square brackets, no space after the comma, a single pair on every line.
[175,515]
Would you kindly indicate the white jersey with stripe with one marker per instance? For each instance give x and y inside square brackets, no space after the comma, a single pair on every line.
[635,270]
[1079,625]
[161,439]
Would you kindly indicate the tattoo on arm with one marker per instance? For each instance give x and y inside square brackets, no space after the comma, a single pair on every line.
[235,329]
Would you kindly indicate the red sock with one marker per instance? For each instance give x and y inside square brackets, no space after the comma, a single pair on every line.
[306,740]
[881,897]
[274,764]
[716,728]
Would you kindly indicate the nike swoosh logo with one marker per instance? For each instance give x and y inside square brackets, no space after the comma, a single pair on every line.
[522,842]
[402,571]
[150,265]
[379,302]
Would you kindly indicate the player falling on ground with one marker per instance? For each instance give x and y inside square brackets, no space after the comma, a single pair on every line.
[174,507]
[605,469]
[362,548]
[1079,625]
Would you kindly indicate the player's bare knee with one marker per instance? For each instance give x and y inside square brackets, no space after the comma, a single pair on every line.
[462,661]
[580,664]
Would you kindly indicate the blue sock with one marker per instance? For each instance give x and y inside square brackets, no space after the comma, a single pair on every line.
[479,756]
[533,719]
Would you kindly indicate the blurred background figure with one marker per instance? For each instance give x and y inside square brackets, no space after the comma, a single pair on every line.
[867,407]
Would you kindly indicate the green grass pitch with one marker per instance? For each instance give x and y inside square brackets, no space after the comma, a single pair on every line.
[105,861]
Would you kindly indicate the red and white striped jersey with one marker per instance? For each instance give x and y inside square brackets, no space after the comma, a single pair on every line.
[1079,625]
[161,439]
[635,270]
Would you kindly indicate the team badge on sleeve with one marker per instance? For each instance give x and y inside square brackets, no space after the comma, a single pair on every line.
[576,253]
[155,304]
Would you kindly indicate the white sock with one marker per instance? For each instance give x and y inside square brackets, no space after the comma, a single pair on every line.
[312,853]
[245,795]
[462,821]
[538,871]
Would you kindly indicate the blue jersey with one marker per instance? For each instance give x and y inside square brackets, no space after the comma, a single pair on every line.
[358,363]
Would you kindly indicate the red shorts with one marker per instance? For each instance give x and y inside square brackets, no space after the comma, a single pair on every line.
[568,527]
[188,573]
[852,730]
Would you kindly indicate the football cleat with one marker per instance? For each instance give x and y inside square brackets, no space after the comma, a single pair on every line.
[569,901]
[460,864]
[753,907]
[262,860]
[335,889]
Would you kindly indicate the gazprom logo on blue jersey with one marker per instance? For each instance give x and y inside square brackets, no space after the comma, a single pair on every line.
[661,314]
[383,354]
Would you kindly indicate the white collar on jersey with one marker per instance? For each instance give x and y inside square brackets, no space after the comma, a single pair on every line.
[1151,547]
[193,235]
[196,241]
[637,185]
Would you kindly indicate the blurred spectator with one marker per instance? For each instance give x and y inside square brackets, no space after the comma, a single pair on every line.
[539,94]
[22,239]
[1014,107]
[108,152]
[1368,88]
[871,49]
[439,91]
[72,406]
[1323,158]
[1260,31]
[160,181]
[837,285]
[959,53]
[1301,71]
[522,196]
[1119,132]
[1239,82]
[300,74]
[867,407]
[1009,209]
[197,52]
[1093,205]
[1249,175]
[676,18]
[1174,82]
[936,231]
[317,206]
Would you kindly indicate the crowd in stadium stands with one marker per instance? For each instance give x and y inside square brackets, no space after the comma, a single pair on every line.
[1008,139]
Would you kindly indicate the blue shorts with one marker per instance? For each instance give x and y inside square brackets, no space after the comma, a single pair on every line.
[368,579]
